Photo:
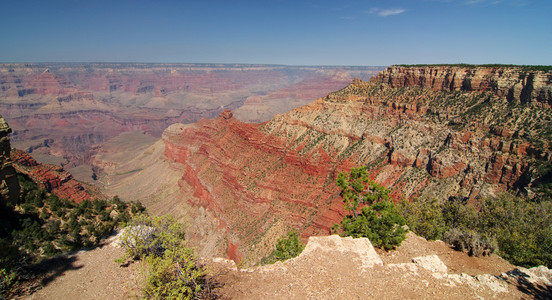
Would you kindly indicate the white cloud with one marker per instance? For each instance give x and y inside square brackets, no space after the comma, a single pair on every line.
[385,12]
[482,2]
[391,12]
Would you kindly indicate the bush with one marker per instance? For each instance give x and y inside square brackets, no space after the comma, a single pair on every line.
[424,217]
[148,235]
[357,188]
[174,275]
[288,247]
[8,282]
[172,270]
[518,229]
[470,241]
[380,222]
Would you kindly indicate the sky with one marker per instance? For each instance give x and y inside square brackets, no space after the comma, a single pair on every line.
[291,32]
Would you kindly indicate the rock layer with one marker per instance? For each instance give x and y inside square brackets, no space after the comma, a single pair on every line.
[517,84]
[417,141]
[54,179]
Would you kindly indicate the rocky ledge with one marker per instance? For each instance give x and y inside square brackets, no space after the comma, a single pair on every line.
[332,267]
[9,186]
[52,178]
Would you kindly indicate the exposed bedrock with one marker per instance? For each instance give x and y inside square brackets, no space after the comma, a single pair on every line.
[517,84]
[415,140]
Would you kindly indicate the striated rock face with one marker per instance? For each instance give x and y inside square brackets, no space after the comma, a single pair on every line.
[63,110]
[418,141]
[52,178]
[517,84]
[9,185]
[250,180]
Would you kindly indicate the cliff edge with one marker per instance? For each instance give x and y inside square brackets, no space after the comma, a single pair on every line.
[9,185]
[332,267]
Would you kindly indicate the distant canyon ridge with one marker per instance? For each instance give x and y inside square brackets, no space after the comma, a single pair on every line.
[59,112]
[431,132]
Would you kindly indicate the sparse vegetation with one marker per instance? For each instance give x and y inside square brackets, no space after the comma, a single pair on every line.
[380,221]
[42,225]
[519,229]
[172,270]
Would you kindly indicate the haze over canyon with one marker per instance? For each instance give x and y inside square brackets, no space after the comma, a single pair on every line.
[60,111]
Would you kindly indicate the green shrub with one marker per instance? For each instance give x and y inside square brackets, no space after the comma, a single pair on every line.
[147,235]
[380,222]
[8,283]
[288,247]
[172,270]
[470,241]
[357,188]
[424,217]
[518,229]
[174,275]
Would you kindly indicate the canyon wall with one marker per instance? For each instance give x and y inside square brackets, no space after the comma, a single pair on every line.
[53,178]
[419,141]
[528,85]
[58,112]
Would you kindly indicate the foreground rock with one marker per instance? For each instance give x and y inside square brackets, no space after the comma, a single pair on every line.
[342,268]
[9,185]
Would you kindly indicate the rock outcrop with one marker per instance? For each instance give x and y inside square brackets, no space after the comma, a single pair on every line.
[518,84]
[54,179]
[332,267]
[418,141]
[9,185]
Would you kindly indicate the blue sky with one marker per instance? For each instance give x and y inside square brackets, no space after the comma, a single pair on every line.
[293,32]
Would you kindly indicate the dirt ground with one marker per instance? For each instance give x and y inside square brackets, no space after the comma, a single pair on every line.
[457,262]
[337,275]
[91,274]
[322,274]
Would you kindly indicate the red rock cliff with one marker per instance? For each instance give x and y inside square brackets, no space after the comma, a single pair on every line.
[420,142]
[52,178]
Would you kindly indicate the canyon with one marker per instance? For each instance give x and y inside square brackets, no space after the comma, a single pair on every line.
[423,131]
[242,185]
[58,112]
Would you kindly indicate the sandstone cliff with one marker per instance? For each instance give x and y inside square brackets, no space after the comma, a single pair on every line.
[518,84]
[9,185]
[420,142]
